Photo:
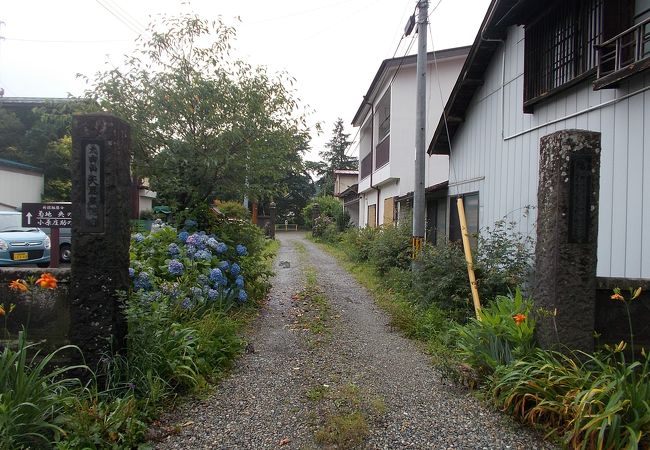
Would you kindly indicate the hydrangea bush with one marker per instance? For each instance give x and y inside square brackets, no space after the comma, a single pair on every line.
[188,270]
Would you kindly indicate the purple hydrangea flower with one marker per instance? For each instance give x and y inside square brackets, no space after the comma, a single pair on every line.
[241,250]
[191,250]
[175,267]
[183,235]
[193,239]
[173,249]
[235,269]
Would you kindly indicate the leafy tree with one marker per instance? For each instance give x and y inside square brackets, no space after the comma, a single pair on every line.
[203,126]
[334,158]
[300,189]
[328,206]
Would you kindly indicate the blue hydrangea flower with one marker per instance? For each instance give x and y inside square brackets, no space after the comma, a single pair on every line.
[243,296]
[186,303]
[222,248]
[131,272]
[241,250]
[212,294]
[189,223]
[197,292]
[191,250]
[203,254]
[212,243]
[235,269]
[138,237]
[183,235]
[173,249]
[240,281]
[217,277]
[153,296]
[202,280]
[142,282]
[175,267]
[224,265]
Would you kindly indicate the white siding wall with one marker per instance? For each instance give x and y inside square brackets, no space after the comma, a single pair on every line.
[17,187]
[498,148]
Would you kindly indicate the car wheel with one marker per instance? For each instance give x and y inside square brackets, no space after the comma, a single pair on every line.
[65,253]
[42,265]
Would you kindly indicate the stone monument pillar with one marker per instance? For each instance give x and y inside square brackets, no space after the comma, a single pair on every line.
[567,238]
[272,214]
[315,213]
[101,204]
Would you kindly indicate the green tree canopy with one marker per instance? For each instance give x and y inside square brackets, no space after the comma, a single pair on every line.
[334,158]
[204,125]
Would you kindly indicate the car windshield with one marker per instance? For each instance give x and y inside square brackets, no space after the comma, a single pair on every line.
[12,222]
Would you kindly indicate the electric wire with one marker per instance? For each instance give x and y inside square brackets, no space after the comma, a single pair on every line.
[120,18]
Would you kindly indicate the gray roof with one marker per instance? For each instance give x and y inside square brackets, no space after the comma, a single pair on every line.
[17,165]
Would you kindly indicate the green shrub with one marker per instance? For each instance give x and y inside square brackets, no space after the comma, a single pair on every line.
[503,333]
[343,221]
[329,206]
[443,279]
[32,396]
[233,210]
[391,247]
[358,241]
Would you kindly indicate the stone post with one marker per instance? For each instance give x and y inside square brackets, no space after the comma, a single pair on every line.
[272,212]
[567,235]
[101,204]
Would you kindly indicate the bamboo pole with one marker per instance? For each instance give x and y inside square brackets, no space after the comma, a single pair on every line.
[468,257]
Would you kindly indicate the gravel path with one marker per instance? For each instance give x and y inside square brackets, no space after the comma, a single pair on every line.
[303,388]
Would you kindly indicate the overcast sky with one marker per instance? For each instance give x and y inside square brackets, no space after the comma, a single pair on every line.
[332,48]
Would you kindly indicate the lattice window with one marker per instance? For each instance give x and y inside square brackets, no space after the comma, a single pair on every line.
[559,47]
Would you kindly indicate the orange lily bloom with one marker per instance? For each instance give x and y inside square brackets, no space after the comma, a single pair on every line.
[47,281]
[2,310]
[519,318]
[617,296]
[18,285]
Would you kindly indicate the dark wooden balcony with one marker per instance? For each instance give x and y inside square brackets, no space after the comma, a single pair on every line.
[623,55]
[366,166]
[382,152]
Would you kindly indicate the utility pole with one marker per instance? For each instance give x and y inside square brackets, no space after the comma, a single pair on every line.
[420,127]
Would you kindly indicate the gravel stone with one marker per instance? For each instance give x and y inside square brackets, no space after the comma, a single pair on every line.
[263,403]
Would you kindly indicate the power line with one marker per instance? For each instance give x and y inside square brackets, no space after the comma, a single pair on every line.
[63,41]
[126,14]
[122,19]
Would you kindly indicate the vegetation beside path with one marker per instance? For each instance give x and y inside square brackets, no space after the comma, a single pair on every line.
[599,400]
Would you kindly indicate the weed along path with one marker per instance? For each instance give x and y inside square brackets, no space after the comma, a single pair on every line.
[324,370]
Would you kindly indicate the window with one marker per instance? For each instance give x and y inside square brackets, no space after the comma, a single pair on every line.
[372,216]
[436,220]
[383,116]
[471,206]
[389,210]
[560,47]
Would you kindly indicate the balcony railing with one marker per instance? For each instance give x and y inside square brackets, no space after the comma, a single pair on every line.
[623,55]
[382,152]
[366,166]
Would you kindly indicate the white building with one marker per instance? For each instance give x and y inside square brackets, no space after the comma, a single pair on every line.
[345,189]
[19,183]
[387,136]
[540,71]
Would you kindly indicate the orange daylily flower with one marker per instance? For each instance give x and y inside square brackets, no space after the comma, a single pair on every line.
[47,281]
[2,310]
[18,285]
[617,296]
[519,318]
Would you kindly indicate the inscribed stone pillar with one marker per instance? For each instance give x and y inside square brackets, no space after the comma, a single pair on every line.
[272,214]
[567,235]
[101,187]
